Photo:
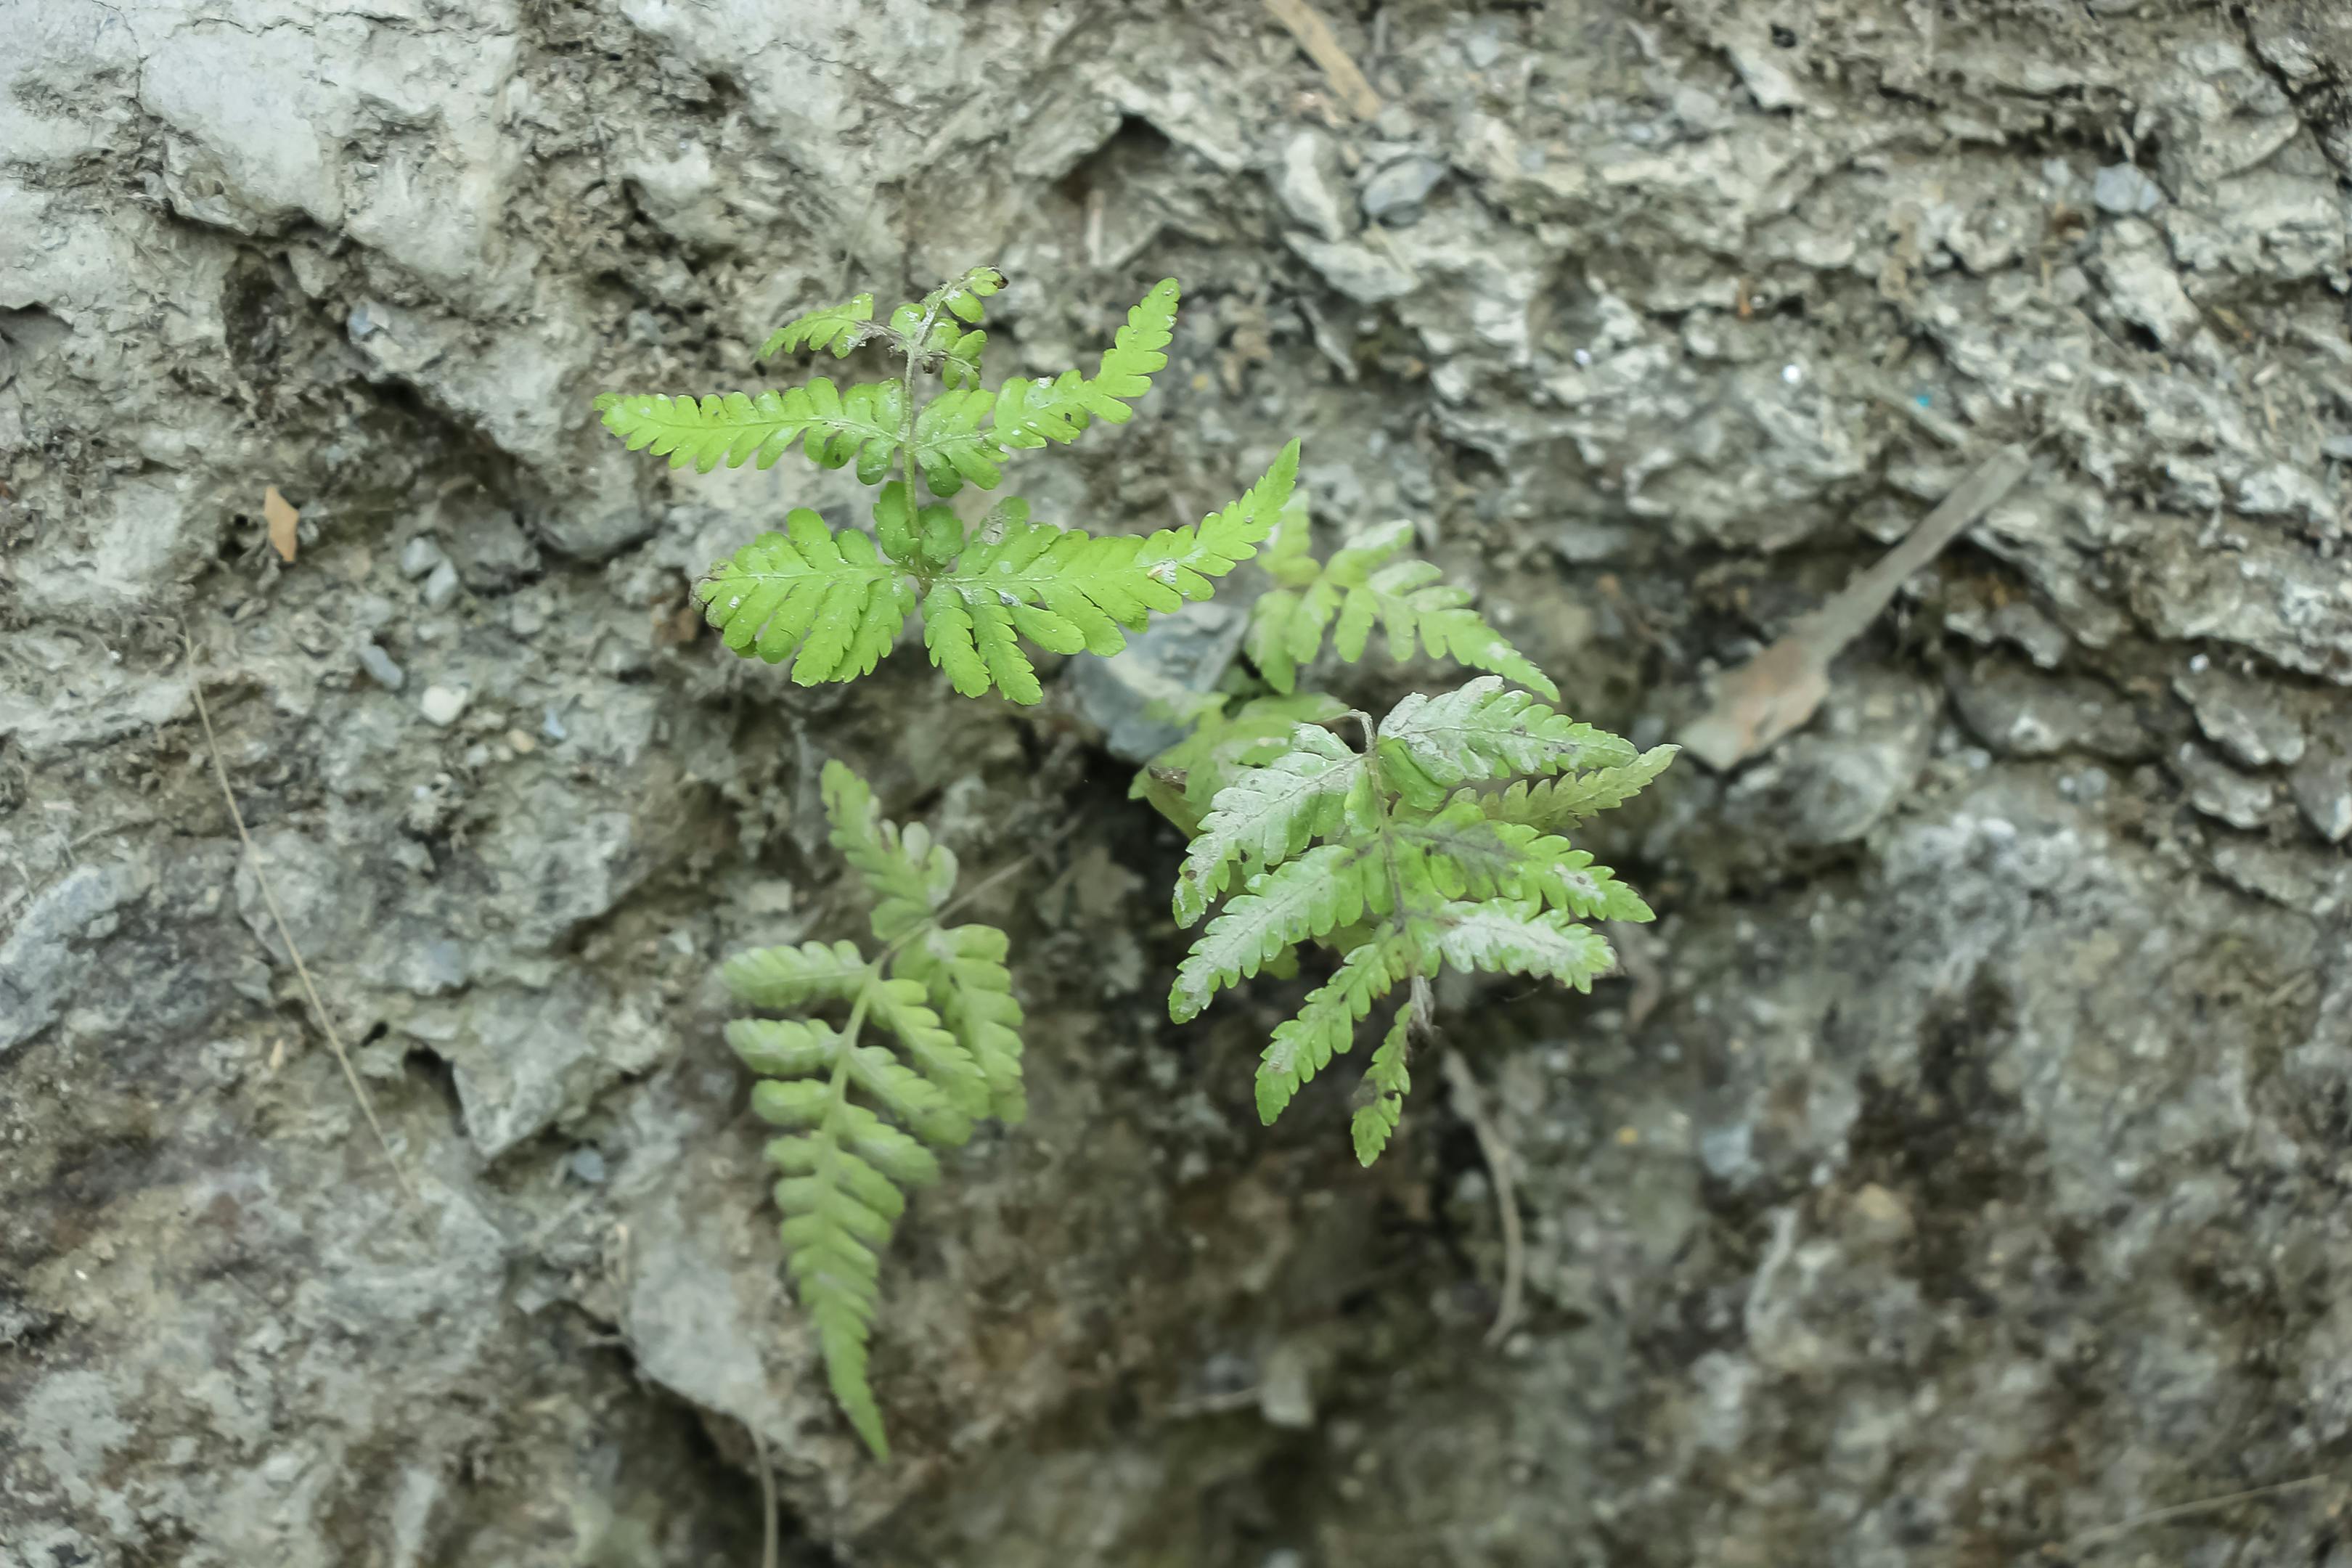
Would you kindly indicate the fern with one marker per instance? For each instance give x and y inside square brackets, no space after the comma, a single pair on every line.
[1395,855]
[834,606]
[1366,585]
[939,998]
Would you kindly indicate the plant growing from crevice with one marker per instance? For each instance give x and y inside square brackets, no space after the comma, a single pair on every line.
[931,1048]
[835,603]
[1401,856]
[1436,843]
[1398,857]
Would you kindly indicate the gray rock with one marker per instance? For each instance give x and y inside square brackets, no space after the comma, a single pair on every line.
[2021,713]
[2124,190]
[1134,697]
[491,552]
[2248,719]
[442,705]
[1364,274]
[2219,791]
[420,556]
[1308,184]
[381,668]
[441,587]
[1394,194]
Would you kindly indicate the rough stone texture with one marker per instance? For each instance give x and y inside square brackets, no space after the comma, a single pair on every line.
[1958,1174]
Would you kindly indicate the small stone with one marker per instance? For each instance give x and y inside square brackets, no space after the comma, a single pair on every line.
[443,704]
[380,668]
[441,587]
[2219,791]
[588,1166]
[2321,787]
[2123,190]
[1307,185]
[2244,718]
[1357,270]
[1484,46]
[1395,193]
[521,742]
[419,556]
[1875,1216]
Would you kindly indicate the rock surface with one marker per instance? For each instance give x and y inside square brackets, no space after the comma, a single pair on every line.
[1954,1178]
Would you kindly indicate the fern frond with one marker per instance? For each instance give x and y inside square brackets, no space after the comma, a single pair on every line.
[840,328]
[1270,813]
[1186,558]
[1324,1025]
[962,970]
[1182,780]
[1558,802]
[795,977]
[909,876]
[1311,896]
[1403,880]
[1389,1082]
[931,1042]
[1029,413]
[827,596]
[1364,585]
[833,425]
[1510,938]
[950,447]
[1428,745]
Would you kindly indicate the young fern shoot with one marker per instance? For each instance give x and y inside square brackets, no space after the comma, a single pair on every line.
[1400,857]
[835,603]
[932,1040]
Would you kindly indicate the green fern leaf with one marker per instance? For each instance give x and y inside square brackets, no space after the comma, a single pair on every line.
[909,876]
[1325,1026]
[950,447]
[1182,780]
[962,970]
[1430,743]
[807,585]
[840,328]
[1029,413]
[1403,880]
[1311,896]
[1559,802]
[833,425]
[1389,1082]
[1186,558]
[1520,938]
[1364,585]
[795,977]
[1269,814]
[843,1169]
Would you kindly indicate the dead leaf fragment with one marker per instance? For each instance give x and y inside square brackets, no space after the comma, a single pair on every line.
[1780,688]
[283,520]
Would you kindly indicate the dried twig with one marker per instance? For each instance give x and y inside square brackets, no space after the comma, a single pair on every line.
[277,916]
[767,1498]
[1322,45]
[1780,688]
[2107,1533]
[1471,1102]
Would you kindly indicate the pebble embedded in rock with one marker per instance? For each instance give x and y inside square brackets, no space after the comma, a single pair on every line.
[441,588]
[380,668]
[419,556]
[2122,189]
[1395,193]
[1307,185]
[443,704]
